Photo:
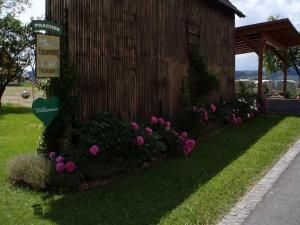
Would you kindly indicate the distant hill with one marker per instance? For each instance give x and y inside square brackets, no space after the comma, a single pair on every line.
[252,75]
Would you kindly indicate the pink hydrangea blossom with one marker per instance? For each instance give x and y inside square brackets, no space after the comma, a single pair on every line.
[257,109]
[205,115]
[194,109]
[52,155]
[233,120]
[134,126]
[161,121]
[149,131]
[213,108]
[60,159]
[153,120]
[189,146]
[60,167]
[139,141]
[167,125]
[70,167]
[94,150]
[184,134]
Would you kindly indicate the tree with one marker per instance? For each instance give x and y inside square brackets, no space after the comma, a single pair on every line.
[13,7]
[16,44]
[273,63]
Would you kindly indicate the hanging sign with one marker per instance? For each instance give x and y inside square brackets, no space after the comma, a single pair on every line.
[44,25]
[46,110]
[47,56]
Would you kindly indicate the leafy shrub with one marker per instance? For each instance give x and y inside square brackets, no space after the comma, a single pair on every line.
[109,145]
[199,118]
[32,170]
[203,83]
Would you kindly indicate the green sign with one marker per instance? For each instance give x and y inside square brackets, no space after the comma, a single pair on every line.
[54,28]
[46,110]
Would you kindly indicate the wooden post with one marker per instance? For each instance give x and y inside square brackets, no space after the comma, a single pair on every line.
[260,74]
[285,71]
[260,66]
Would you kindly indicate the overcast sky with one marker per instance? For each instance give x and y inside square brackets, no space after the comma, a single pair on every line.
[255,10]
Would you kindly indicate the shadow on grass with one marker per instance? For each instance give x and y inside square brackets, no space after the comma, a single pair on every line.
[144,198]
[14,109]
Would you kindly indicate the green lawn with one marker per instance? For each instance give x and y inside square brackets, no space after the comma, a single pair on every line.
[195,190]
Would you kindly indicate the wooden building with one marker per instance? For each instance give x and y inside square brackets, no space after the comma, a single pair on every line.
[131,55]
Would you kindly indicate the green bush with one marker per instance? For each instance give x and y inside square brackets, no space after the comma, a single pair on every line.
[114,137]
[32,170]
[199,119]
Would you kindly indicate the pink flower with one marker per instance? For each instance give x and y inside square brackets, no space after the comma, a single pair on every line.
[184,134]
[149,131]
[94,150]
[161,121]
[139,141]
[213,108]
[205,116]
[249,116]
[189,146]
[71,167]
[153,120]
[194,109]
[167,125]
[134,126]
[52,155]
[60,167]
[60,159]
[233,120]
[239,120]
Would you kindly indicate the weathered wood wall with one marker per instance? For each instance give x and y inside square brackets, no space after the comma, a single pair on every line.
[131,55]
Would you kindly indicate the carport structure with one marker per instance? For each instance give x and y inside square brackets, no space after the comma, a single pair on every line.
[276,36]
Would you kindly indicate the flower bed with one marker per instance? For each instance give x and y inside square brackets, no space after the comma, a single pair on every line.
[108,145]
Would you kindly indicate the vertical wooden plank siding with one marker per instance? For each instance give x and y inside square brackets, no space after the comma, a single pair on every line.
[131,55]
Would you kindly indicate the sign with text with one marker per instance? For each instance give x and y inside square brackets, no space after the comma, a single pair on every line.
[46,110]
[38,25]
[47,56]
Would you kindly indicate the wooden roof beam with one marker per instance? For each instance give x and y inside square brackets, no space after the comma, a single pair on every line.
[276,52]
[272,42]
[247,41]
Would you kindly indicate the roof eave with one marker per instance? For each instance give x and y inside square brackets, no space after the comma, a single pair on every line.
[233,8]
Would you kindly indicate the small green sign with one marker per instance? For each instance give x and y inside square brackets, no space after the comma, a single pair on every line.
[49,26]
[46,109]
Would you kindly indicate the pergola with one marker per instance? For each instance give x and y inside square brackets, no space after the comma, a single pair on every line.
[276,36]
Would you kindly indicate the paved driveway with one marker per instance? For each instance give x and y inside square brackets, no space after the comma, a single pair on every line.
[289,106]
[281,206]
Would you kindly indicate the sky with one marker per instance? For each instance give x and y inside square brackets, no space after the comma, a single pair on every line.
[255,10]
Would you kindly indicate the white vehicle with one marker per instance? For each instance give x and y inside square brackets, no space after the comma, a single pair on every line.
[268,87]
[291,86]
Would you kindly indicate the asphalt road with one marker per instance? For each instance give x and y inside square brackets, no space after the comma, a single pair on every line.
[285,106]
[281,205]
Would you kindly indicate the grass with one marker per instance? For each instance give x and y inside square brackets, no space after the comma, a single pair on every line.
[195,190]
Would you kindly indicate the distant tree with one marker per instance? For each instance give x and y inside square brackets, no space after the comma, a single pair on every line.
[16,44]
[13,7]
[273,63]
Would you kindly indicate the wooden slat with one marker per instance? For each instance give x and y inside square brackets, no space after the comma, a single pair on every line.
[131,55]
